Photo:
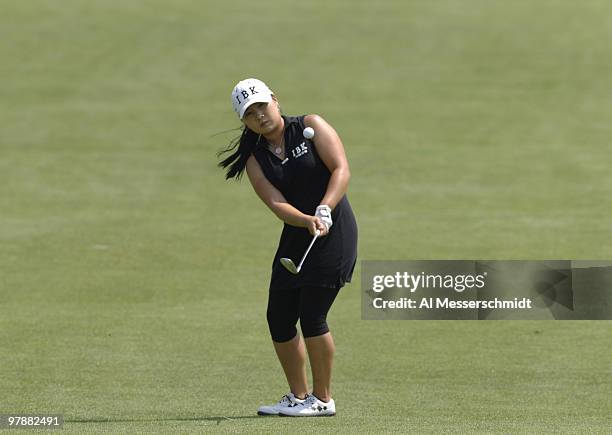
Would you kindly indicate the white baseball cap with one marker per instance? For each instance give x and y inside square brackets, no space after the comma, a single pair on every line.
[247,92]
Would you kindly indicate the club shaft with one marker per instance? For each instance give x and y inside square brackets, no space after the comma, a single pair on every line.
[308,250]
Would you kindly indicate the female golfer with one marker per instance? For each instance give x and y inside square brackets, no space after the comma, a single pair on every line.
[304,182]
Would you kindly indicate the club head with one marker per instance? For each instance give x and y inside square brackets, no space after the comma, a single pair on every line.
[288,263]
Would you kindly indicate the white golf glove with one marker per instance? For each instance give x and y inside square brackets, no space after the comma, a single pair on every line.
[323,212]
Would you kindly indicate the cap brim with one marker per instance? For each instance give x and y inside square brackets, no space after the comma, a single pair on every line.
[260,98]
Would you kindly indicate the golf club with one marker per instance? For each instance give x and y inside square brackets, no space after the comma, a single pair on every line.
[288,262]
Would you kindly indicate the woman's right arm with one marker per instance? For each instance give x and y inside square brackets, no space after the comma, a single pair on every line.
[276,202]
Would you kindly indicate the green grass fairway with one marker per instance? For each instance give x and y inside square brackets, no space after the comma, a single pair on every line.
[133,279]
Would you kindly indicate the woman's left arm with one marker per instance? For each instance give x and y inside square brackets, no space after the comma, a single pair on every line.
[330,149]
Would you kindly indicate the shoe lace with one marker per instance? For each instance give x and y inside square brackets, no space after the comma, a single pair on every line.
[310,400]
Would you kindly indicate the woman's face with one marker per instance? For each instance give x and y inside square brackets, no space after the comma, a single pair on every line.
[262,118]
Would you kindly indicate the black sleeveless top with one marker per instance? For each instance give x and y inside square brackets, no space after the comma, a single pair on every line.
[302,178]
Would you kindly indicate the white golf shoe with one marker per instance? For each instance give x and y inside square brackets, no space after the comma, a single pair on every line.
[288,401]
[311,407]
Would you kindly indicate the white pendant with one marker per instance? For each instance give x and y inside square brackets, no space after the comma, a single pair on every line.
[278,150]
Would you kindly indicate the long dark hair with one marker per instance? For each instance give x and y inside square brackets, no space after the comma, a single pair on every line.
[245,144]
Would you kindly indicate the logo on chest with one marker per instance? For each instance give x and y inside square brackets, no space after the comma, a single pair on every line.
[299,151]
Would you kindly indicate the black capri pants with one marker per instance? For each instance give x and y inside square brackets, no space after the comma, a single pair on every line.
[309,304]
